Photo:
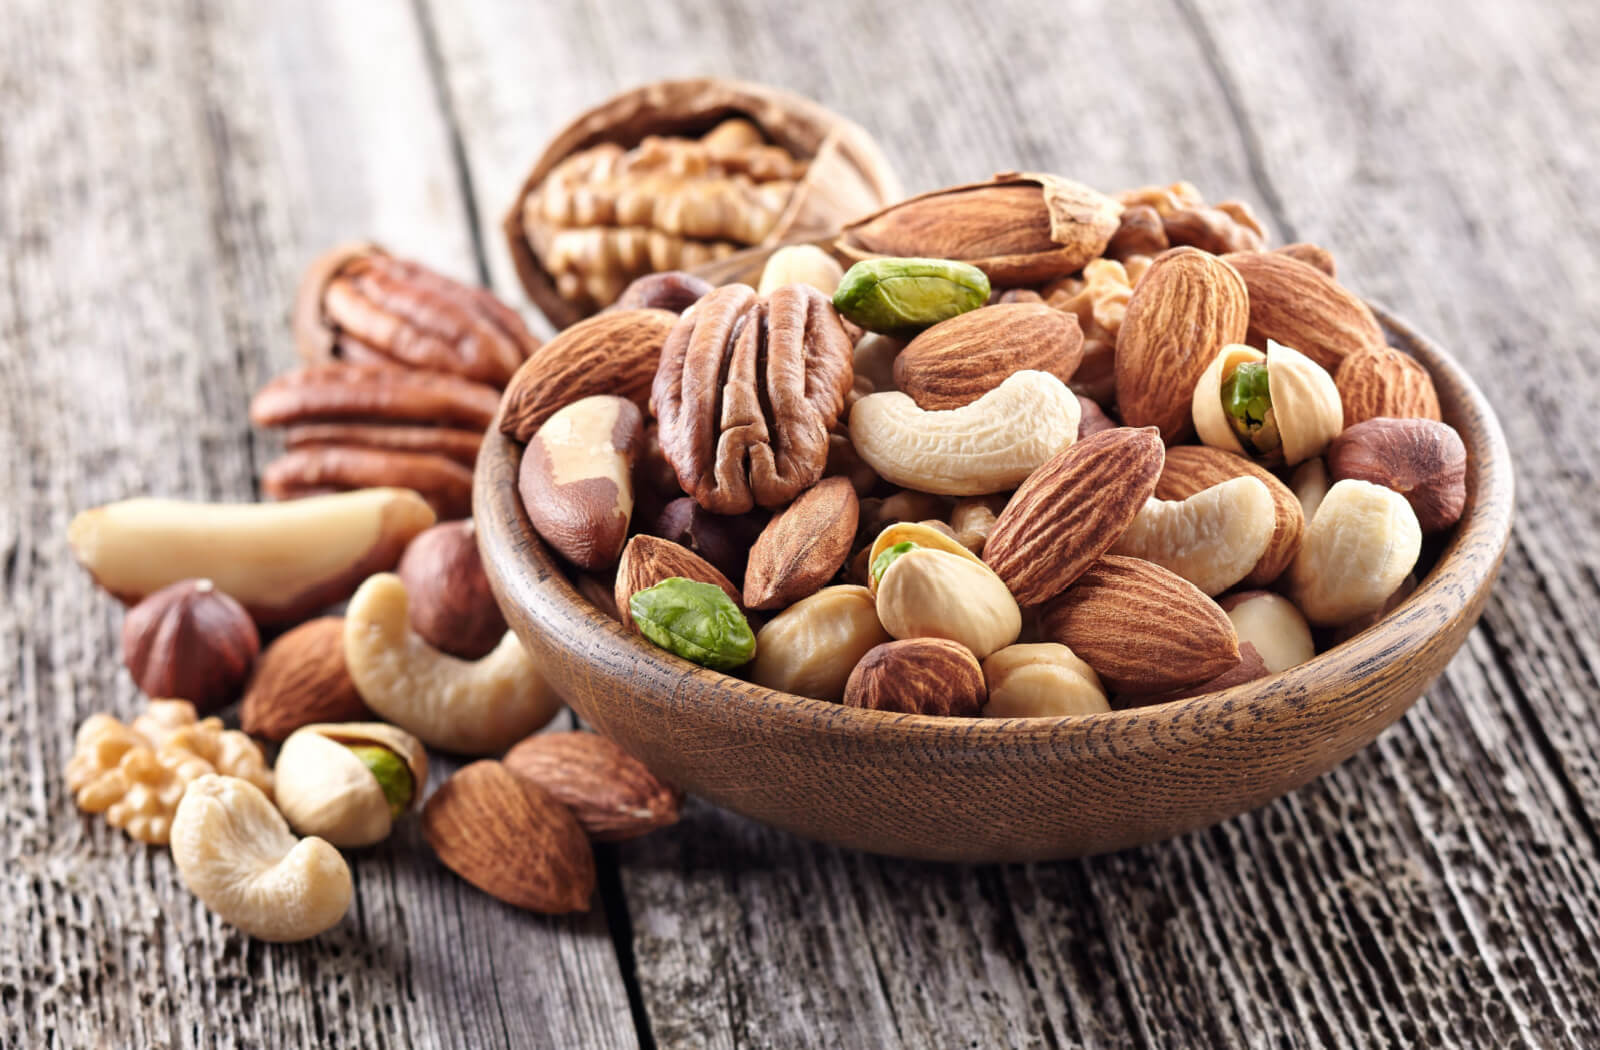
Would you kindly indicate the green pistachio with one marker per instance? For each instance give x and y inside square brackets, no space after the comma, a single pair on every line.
[894,295]
[881,563]
[393,776]
[698,621]
[1248,403]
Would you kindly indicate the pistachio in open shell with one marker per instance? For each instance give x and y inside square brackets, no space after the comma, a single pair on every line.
[1280,406]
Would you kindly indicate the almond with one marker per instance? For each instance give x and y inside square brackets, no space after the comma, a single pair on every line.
[576,478]
[611,793]
[610,353]
[1142,628]
[1381,382]
[1194,468]
[510,838]
[647,560]
[1296,304]
[1071,510]
[1187,307]
[1312,255]
[802,547]
[958,361]
[300,680]
[919,676]
[1250,667]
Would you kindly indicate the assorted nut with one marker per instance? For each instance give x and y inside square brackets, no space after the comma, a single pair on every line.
[611,793]
[189,641]
[576,479]
[349,782]
[301,679]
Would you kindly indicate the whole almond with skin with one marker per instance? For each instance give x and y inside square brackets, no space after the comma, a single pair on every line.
[610,353]
[1250,667]
[576,478]
[1187,307]
[647,560]
[1071,510]
[1312,255]
[611,793]
[510,838]
[1381,382]
[919,676]
[301,680]
[803,546]
[1296,304]
[1142,628]
[1193,468]
[958,361]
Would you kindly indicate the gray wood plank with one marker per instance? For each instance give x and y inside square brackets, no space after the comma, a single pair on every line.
[165,171]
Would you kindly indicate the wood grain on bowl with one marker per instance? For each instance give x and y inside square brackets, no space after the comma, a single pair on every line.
[1003,789]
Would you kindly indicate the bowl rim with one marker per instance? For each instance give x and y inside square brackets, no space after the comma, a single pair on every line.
[1456,583]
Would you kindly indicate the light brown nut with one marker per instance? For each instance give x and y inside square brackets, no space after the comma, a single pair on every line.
[1381,382]
[973,520]
[845,462]
[510,838]
[1249,668]
[349,782]
[1020,229]
[1164,199]
[1142,628]
[1041,680]
[576,478]
[800,264]
[343,393]
[611,793]
[452,607]
[1272,624]
[672,290]
[724,540]
[1186,309]
[747,391]
[1193,468]
[1071,510]
[615,353]
[1296,304]
[874,357]
[1310,484]
[1304,412]
[1092,419]
[1215,230]
[919,676]
[810,648]
[189,641]
[443,482]
[932,593]
[803,546]
[1213,538]
[1359,546]
[281,561]
[1312,255]
[955,362]
[1139,232]
[451,442]
[1421,459]
[647,560]
[300,680]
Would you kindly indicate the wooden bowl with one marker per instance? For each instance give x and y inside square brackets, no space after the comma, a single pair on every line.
[1002,789]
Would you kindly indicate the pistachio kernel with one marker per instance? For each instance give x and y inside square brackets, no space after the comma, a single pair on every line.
[1248,402]
[393,776]
[900,295]
[881,563]
[697,621]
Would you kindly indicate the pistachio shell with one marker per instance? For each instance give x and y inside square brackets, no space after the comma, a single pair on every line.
[923,534]
[810,648]
[940,594]
[325,789]
[1305,403]
[1210,419]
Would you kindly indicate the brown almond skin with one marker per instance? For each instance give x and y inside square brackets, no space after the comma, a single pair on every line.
[510,838]
[611,793]
[955,362]
[1248,669]
[1187,307]
[1381,382]
[450,603]
[1312,255]
[189,641]
[647,560]
[1296,304]
[803,546]
[1143,629]
[1071,510]
[301,680]
[583,518]
[1423,460]
[1193,468]
[610,353]
[918,676]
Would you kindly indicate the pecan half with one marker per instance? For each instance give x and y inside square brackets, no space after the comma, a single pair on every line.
[444,483]
[373,393]
[747,391]
[459,445]
[361,304]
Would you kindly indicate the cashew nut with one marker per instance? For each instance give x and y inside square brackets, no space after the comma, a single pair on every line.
[1356,551]
[1212,539]
[236,853]
[1273,625]
[1045,679]
[468,707]
[987,446]
[811,647]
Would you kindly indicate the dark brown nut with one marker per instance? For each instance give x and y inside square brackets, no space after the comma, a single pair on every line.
[598,593]
[1311,255]
[1423,460]
[301,680]
[1092,418]
[346,393]
[1215,230]
[189,641]
[360,298]
[955,362]
[647,560]
[576,479]
[724,540]
[1141,232]
[918,676]
[611,793]
[453,443]
[450,603]
[669,290]
[748,389]
[1248,669]
[444,483]
[845,462]
[803,546]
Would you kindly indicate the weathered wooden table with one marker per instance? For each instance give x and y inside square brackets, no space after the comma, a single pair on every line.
[167,167]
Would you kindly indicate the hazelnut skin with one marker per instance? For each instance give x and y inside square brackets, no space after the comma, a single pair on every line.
[451,604]
[189,641]
[1422,459]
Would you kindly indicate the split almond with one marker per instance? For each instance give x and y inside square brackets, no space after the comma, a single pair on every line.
[1294,303]
[802,548]
[958,361]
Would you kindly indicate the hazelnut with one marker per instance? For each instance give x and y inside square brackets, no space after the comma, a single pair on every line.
[921,676]
[451,604]
[189,641]
[1422,459]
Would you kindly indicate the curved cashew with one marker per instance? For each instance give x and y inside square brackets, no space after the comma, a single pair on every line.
[468,707]
[987,446]
[1212,539]
[236,853]
[1356,551]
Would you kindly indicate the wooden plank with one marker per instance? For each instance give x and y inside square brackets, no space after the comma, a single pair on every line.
[165,171]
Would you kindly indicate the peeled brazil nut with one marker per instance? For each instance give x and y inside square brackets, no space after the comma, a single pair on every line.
[1213,538]
[1357,550]
[810,647]
[896,295]
[925,593]
[576,479]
